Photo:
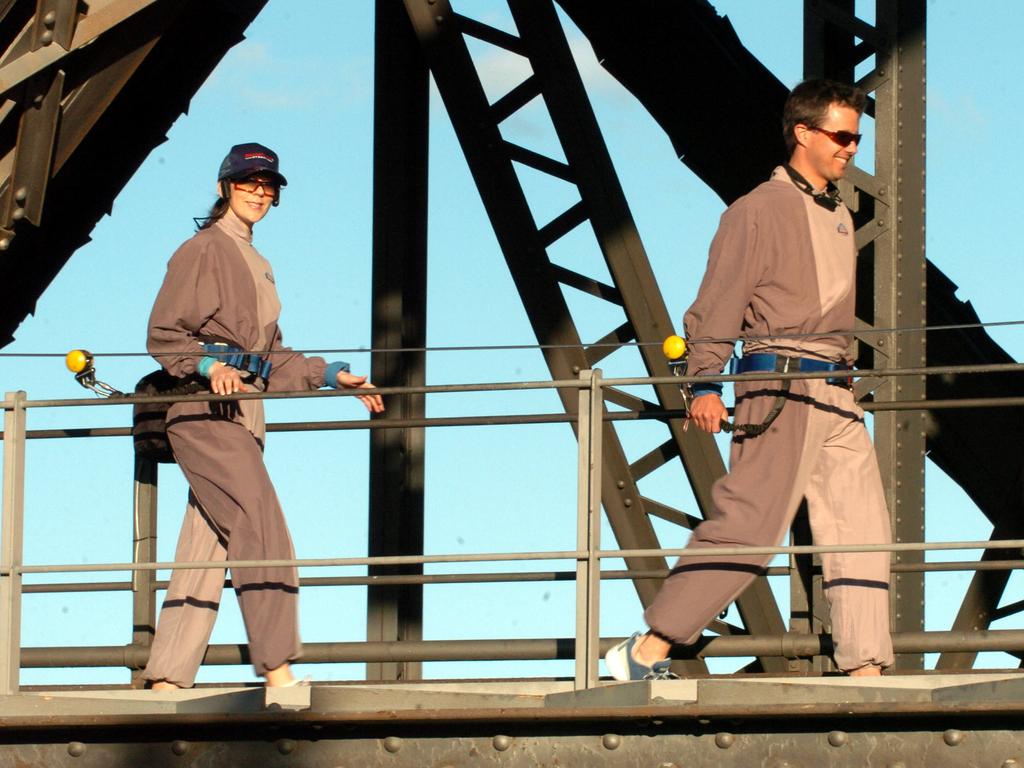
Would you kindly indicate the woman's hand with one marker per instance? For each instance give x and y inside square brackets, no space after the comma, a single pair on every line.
[373,403]
[225,380]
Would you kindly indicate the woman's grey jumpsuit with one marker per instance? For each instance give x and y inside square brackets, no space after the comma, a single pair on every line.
[218,286]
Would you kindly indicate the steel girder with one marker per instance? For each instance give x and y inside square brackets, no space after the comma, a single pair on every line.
[655,736]
[401,102]
[89,89]
[491,161]
[888,209]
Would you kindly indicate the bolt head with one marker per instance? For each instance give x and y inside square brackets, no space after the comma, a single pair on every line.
[838,738]
[953,737]
[611,741]
[501,742]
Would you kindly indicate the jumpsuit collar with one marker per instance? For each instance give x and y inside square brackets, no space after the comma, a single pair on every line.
[234,226]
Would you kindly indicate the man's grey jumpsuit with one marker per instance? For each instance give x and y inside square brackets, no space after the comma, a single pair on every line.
[218,286]
[781,269]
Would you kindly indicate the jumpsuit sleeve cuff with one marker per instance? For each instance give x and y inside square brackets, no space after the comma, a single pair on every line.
[203,369]
[708,388]
[331,373]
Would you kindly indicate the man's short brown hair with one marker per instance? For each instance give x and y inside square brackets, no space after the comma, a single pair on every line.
[809,102]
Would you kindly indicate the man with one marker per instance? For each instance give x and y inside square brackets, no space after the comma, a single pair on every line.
[780,276]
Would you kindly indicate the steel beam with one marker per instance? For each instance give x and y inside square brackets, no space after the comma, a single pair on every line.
[605,741]
[888,208]
[401,120]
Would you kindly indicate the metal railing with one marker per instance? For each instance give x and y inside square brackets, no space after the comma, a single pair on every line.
[586,647]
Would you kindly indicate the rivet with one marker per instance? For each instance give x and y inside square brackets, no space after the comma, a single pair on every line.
[501,742]
[724,740]
[627,502]
[50,18]
[179,747]
[953,737]
[881,222]
[838,738]
[392,744]
[439,20]
[286,746]
[46,38]
[5,243]
[611,741]
[1011,763]
[621,484]
[881,73]
[576,369]
[21,194]
[881,192]
[18,214]
[76,749]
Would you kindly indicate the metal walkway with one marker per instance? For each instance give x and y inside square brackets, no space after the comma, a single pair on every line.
[911,721]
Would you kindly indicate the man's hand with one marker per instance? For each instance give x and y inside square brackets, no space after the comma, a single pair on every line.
[707,412]
[373,403]
[225,380]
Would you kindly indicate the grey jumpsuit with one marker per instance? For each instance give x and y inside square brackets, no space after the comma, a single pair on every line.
[782,265]
[218,286]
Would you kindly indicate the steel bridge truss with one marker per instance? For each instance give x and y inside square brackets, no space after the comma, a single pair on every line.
[555,83]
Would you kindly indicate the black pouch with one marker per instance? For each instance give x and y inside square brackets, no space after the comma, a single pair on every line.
[149,420]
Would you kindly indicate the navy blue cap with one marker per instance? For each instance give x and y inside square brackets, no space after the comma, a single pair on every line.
[246,159]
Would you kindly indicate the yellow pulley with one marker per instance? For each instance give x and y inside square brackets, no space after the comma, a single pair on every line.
[78,360]
[674,347]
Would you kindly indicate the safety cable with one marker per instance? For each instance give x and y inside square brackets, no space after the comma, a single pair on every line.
[596,345]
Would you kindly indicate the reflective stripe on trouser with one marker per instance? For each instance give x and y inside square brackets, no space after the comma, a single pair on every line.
[224,466]
[818,448]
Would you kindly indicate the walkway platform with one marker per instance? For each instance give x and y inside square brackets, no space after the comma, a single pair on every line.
[898,721]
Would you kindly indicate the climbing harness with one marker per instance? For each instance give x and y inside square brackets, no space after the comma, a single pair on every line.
[677,351]
[238,358]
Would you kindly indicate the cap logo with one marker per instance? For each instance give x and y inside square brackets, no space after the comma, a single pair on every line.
[258,156]
[842,230]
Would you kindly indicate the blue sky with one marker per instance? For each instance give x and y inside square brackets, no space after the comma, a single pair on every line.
[305,89]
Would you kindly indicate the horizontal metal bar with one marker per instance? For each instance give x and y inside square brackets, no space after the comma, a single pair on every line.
[514,419]
[787,645]
[525,556]
[509,577]
[528,385]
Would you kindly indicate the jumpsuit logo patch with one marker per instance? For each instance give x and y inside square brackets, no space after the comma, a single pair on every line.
[841,229]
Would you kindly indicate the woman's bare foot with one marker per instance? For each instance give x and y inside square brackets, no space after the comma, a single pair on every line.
[282,676]
[163,685]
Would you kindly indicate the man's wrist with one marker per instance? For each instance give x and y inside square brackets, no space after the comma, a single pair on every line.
[706,388]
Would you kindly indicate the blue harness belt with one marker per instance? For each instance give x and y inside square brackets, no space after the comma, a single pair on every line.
[237,358]
[759,362]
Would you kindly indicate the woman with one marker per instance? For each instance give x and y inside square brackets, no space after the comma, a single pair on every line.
[216,318]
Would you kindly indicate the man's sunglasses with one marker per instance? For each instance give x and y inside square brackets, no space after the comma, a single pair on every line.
[842,138]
